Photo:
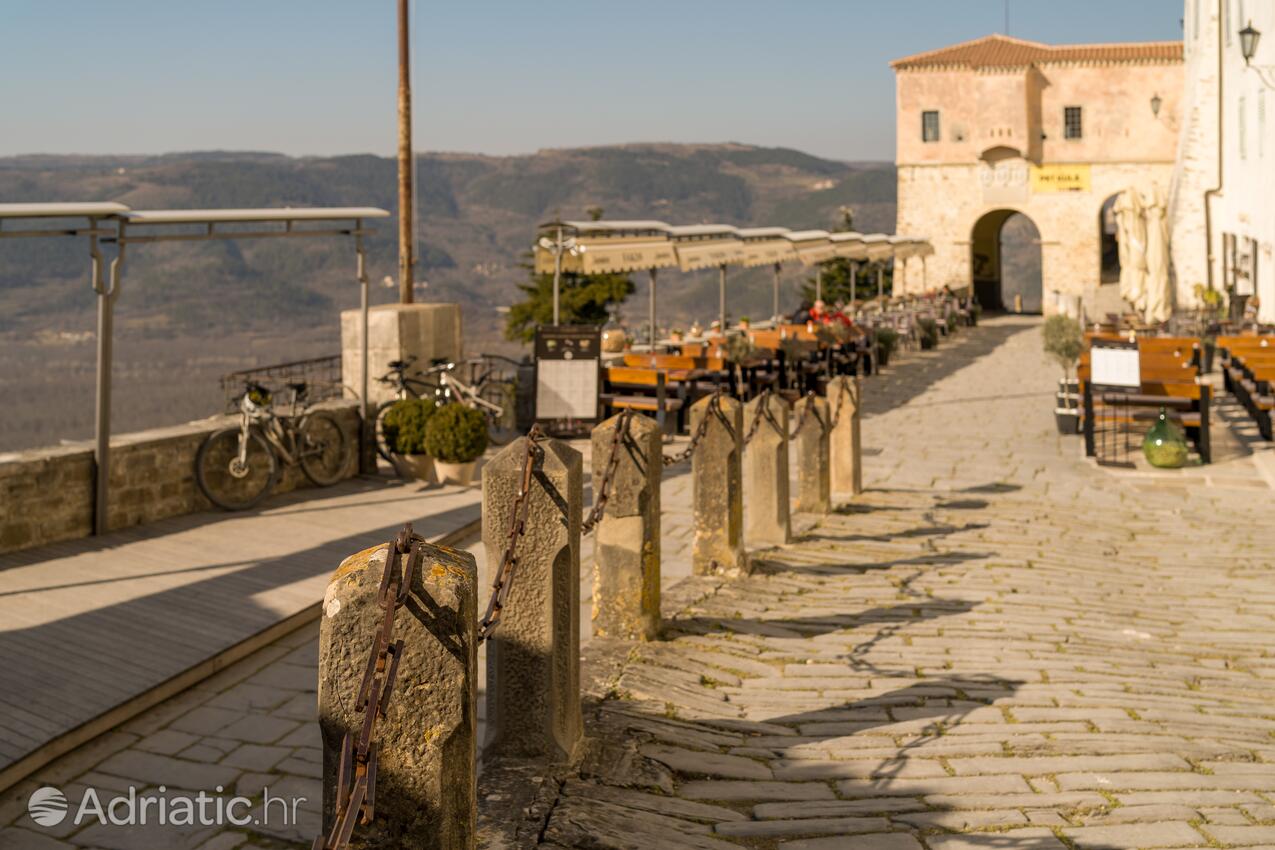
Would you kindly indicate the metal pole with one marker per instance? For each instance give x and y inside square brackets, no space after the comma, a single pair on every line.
[880,280]
[557,273]
[854,284]
[405,259]
[106,295]
[775,316]
[925,286]
[651,334]
[721,296]
[819,281]
[367,457]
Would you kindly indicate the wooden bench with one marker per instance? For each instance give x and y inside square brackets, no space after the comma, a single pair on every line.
[647,390]
[1169,371]
[1248,372]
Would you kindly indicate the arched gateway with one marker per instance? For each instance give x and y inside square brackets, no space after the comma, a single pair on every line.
[999,126]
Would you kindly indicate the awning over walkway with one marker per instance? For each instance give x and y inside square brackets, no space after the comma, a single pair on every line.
[812,246]
[848,245]
[764,246]
[706,246]
[598,247]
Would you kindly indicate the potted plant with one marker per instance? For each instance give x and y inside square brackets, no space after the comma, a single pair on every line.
[1064,340]
[744,323]
[696,330]
[887,341]
[675,334]
[403,427]
[929,332]
[1210,314]
[456,436]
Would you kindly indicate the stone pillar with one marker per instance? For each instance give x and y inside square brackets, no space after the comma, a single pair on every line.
[847,471]
[425,744]
[626,546]
[766,462]
[533,657]
[717,496]
[398,332]
[814,480]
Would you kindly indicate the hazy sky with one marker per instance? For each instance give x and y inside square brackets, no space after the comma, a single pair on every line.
[493,76]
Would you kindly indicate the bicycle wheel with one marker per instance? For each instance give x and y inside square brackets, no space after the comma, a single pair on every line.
[500,426]
[226,482]
[322,449]
[382,445]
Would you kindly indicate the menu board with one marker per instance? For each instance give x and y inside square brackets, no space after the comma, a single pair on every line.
[568,373]
[1115,364]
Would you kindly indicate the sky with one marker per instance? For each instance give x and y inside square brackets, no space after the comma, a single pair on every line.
[318,77]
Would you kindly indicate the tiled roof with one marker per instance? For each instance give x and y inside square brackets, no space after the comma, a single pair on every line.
[1001,51]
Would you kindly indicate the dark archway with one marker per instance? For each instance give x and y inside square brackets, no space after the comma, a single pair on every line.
[1108,243]
[1005,262]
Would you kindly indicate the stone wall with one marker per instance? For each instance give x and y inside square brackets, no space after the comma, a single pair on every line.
[46,495]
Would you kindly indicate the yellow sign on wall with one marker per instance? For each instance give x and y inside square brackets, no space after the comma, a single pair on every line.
[1046,179]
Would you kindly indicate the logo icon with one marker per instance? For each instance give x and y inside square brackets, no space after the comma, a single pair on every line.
[47,806]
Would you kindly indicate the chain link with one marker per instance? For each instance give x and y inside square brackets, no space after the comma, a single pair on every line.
[517,527]
[604,488]
[763,410]
[714,406]
[356,774]
[808,411]
[842,393]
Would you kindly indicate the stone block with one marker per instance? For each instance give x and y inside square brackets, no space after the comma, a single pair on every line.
[716,491]
[398,332]
[766,465]
[533,657]
[814,464]
[626,559]
[425,783]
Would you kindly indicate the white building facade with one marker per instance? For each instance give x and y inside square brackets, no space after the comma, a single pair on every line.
[1222,207]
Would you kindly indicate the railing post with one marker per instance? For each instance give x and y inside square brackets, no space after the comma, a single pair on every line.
[627,467]
[533,656]
[814,481]
[766,461]
[718,548]
[424,745]
[846,453]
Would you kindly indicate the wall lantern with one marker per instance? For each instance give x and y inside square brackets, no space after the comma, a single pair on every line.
[1155,105]
[1249,38]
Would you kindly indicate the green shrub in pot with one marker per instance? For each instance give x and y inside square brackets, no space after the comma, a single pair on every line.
[456,434]
[404,425]
[887,342]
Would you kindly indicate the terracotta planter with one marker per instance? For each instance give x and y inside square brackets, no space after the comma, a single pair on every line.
[456,473]
[419,467]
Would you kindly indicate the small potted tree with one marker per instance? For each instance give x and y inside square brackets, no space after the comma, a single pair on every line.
[929,329]
[887,341]
[1210,316]
[745,323]
[1064,340]
[456,437]
[403,428]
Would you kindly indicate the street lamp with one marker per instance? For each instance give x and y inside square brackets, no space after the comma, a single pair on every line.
[557,247]
[1155,105]
[1249,37]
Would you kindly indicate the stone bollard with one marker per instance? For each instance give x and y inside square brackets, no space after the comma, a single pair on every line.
[533,656]
[766,462]
[424,745]
[715,487]
[814,482]
[846,453]
[626,545]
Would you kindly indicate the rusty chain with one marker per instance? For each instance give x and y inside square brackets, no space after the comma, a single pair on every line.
[517,527]
[806,413]
[714,407]
[356,774]
[763,410]
[604,487]
[841,397]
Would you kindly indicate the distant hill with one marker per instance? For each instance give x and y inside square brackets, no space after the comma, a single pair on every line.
[477,217]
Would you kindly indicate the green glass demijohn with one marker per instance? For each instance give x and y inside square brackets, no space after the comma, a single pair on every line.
[1165,444]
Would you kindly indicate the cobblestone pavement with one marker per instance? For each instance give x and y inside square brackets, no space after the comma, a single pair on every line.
[997,645]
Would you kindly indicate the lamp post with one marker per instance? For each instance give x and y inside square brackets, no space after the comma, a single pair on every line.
[556,247]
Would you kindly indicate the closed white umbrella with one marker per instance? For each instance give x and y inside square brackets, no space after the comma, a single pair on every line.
[1133,269]
[1158,308]
[1121,210]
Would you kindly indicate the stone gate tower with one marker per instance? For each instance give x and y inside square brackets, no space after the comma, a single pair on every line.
[999,125]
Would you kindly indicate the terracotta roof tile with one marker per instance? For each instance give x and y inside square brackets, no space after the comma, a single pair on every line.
[1000,51]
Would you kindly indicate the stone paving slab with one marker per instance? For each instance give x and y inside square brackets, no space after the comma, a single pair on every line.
[996,646]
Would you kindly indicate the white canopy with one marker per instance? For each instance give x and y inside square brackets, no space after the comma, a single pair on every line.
[848,245]
[61,210]
[703,246]
[878,247]
[813,246]
[250,215]
[764,246]
[608,247]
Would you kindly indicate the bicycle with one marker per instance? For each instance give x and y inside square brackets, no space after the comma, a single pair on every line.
[487,393]
[236,467]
